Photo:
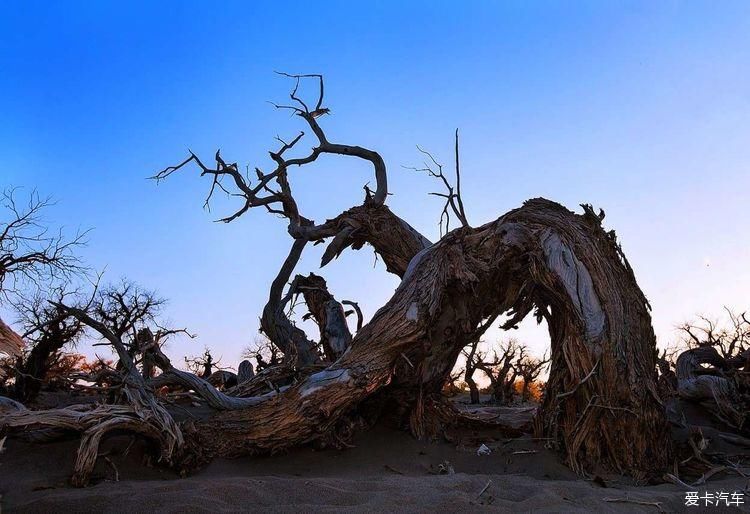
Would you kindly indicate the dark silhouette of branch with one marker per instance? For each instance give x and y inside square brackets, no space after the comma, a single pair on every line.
[453,201]
[30,252]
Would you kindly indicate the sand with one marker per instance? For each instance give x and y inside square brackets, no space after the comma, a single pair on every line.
[387,470]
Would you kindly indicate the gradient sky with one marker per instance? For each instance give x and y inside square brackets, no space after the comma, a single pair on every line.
[641,108]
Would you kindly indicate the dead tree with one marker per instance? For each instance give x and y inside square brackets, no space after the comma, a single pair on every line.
[265,353]
[202,366]
[31,256]
[601,408]
[667,383]
[713,370]
[538,256]
[48,330]
[472,358]
[327,312]
[729,339]
[30,253]
[112,313]
[529,369]
[504,370]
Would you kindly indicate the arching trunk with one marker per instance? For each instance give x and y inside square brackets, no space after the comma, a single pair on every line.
[601,406]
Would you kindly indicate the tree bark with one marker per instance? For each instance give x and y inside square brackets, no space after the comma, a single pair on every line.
[697,384]
[540,255]
[290,339]
[245,372]
[601,407]
[10,342]
[328,313]
[32,371]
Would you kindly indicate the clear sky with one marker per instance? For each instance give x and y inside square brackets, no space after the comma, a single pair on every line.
[641,108]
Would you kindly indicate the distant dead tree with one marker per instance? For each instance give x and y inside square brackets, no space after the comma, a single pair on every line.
[36,264]
[502,370]
[730,339]
[473,357]
[714,369]
[48,330]
[665,365]
[540,258]
[127,310]
[265,353]
[32,254]
[202,366]
[130,314]
[529,368]
[210,370]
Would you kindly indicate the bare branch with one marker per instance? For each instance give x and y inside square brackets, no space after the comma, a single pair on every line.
[31,254]
[453,200]
[282,201]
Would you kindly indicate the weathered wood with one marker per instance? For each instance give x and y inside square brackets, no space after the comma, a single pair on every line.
[614,419]
[601,409]
[694,383]
[10,342]
[327,312]
[245,372]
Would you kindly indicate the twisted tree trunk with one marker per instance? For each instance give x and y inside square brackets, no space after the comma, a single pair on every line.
[539,256]
[32,371]
[698,384]
[328,313]
[601,407]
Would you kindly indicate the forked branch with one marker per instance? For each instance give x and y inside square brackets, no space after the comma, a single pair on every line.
[453,201]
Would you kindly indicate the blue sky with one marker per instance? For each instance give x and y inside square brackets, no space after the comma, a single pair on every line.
[637,107]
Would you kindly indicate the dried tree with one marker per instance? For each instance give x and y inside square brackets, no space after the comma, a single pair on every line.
[601,407]
[327,312]
[113,313]
[504,370]
[265,353]
[48,329]
[529,369]
[202,366]
[473,357]
[714,369]
[30,253]
[730,339]
[667,382]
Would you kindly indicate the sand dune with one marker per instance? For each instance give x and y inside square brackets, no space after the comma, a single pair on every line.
[386,471]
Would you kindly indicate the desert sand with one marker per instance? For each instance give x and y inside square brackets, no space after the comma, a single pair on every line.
[385,470]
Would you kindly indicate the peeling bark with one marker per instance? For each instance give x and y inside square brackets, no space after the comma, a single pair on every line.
[601,407]
[245,372]
[10,342]
[613,418]
[694,383]
[328,313]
